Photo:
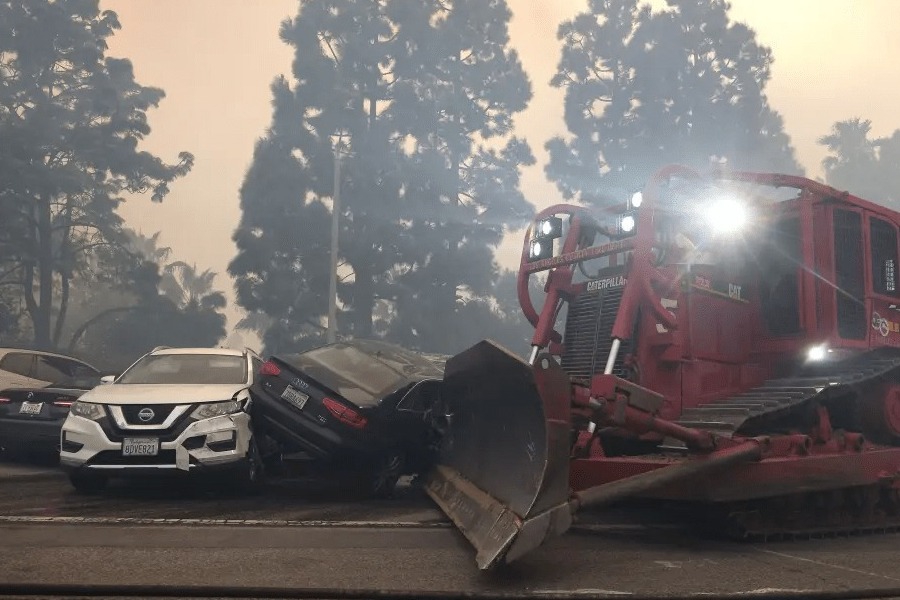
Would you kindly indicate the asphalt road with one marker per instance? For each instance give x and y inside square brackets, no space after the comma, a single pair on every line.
[295,536]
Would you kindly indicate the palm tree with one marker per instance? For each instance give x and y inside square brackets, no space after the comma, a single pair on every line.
[148,247]
[187,287]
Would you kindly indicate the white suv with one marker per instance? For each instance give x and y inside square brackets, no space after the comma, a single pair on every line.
[174,410]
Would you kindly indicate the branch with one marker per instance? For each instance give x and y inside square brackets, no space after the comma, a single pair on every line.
[28,291]
[109,311]
[63,307]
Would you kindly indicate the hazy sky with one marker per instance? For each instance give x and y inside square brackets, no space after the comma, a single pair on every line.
[215,59]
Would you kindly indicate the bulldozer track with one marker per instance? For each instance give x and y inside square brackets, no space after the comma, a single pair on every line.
[761,408]
[775,407]
[846,512]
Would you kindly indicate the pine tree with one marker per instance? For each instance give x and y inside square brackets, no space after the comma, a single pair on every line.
[645,89]
[417,100]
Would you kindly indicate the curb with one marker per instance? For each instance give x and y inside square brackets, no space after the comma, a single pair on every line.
[61,520]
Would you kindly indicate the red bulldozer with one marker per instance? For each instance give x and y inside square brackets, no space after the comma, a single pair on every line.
[730,340]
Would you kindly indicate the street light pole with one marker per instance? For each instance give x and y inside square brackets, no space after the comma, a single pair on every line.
[335,213]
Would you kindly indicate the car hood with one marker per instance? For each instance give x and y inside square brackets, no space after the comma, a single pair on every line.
[134,393]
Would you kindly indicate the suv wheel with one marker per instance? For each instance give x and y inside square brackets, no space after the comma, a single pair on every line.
[88,483]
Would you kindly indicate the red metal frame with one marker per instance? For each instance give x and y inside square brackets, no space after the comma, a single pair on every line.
[710,347]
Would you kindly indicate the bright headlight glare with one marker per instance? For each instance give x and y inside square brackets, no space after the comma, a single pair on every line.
[550,227]
[727,215]
[628,223]
[817,353]
[86,410]
[536,248]
[217,409]
[637,199]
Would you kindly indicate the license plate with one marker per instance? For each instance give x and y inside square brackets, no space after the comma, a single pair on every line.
[296,398]
[28,408]
[140,447]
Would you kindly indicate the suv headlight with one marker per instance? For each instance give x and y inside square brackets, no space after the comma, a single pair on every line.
[217,409]
[87,410]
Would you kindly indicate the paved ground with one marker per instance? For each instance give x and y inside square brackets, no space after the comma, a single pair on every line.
[292,536]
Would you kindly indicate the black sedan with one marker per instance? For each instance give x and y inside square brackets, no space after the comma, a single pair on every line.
[31,419]
[363,408]
[31,415]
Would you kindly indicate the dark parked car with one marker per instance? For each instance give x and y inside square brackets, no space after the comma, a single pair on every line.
[362,408]
[31,417]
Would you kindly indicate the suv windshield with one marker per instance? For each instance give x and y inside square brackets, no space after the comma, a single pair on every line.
[187,369]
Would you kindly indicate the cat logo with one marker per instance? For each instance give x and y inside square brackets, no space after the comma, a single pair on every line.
[883,326]
[602,284]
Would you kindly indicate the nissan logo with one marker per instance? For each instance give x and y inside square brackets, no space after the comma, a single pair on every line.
[146,414]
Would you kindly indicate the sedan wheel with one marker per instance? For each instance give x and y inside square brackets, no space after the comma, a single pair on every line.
[248,477]
[384,480]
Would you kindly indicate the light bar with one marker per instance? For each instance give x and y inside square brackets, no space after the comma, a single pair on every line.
[540,249]
[626,224]
[551,227]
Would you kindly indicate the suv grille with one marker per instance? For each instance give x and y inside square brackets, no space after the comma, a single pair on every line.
[131,412]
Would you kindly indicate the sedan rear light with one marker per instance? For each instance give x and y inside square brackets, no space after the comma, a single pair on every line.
[5,400]
[345,414]
[63,401]
[269,368]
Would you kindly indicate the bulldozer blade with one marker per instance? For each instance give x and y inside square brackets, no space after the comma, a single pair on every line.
[503,472]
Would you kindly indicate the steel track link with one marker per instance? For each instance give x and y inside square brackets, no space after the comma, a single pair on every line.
[845,512]
[761,408]
[842,512]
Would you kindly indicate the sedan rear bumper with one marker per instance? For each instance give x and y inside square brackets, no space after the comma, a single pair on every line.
[30,435]
[284,423]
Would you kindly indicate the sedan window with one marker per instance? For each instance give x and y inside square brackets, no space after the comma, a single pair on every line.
[358,377]
[18,362]
[187,369]
[65,372]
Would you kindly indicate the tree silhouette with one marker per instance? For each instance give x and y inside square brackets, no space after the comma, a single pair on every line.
[420,97]
[71,119]
[645,89]
[868,167]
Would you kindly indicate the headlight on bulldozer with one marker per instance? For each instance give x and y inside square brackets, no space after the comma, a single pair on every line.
[817,353]
[550,228]
[540,249]
[626,224]
[727,215]
[544,233]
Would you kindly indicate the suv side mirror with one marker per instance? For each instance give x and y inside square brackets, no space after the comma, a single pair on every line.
[107,379]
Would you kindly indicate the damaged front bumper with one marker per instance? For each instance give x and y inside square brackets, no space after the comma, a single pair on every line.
[219,442]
